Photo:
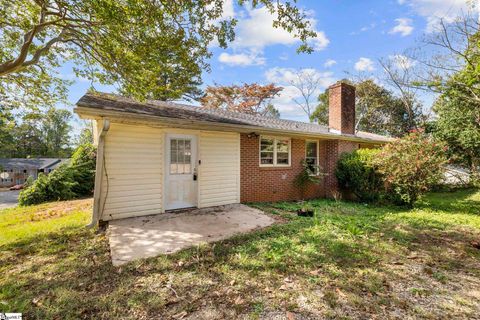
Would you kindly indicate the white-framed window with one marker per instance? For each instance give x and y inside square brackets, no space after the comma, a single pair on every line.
[275,151]
[311,154]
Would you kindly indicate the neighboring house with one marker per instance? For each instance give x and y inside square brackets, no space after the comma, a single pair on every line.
[159,156]
[15,171]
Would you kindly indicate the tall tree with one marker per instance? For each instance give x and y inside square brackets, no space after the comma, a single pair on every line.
[152,48]
[247,98]
[308,82]
[454,57]
[35,134]
[320,114]
[7,124]
[377,110]
[458,125]
[56,133]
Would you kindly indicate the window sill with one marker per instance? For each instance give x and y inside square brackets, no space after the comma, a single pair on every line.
[273,168]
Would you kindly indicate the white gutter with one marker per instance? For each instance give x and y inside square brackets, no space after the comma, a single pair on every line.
[99,174]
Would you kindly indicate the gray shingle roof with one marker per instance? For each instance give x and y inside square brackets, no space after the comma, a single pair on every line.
[112,102]
[33,163]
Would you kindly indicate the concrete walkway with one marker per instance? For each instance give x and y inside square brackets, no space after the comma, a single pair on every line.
[149,236]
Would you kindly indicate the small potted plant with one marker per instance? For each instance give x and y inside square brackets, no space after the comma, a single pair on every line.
[305,211]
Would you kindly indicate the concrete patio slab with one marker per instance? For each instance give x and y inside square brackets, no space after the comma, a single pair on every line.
[149,236]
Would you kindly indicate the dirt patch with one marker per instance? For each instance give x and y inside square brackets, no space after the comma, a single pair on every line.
[63,208]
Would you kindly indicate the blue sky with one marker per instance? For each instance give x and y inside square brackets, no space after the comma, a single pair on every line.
[352,36]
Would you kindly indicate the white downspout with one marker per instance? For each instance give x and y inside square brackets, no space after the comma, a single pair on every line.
[99,174]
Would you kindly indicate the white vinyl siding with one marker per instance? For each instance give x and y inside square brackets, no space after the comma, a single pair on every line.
[133,163]
[219,172]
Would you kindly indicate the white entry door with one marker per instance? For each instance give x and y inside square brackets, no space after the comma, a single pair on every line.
[181,171]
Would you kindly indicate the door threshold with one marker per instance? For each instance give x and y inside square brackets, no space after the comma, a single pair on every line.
[180,210]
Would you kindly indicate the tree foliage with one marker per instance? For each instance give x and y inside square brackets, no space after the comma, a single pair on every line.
[458,125]
[34,134]
[411,166]
[377,110]
[247,98]
[153,49]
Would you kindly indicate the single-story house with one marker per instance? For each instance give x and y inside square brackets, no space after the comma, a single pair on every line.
[15,171]
[157,156]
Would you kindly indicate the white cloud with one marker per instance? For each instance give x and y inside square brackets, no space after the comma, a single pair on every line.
[285,101]
[329,63]
[402,62]
[228,10]
[435,10]
[241,59]
[364,64]
[287,75]
[256,31]
[403,27]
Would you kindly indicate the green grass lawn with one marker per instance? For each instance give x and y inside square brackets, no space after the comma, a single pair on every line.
[353,261]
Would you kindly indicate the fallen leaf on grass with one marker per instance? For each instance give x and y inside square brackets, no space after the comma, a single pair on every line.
[340,293]
[315,272]
[180,315]
[232,282]
[238,301]
[290,316]
[36,301]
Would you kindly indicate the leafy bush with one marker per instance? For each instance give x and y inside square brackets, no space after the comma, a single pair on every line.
[310,174]
[411,166]
[68,181]
[356,172]
[36,192]
[83,165]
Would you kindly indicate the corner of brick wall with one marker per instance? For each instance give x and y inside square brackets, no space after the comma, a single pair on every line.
[334,148]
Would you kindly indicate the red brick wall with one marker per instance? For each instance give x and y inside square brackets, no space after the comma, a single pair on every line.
[274,184]
[334,148]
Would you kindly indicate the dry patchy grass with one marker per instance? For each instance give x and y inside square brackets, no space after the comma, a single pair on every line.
[352,261]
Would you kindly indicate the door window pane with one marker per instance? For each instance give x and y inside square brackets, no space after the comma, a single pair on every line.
[180,156]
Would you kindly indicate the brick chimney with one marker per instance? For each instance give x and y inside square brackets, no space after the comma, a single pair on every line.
[341,108]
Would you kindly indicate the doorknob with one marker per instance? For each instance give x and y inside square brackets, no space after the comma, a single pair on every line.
[195,174]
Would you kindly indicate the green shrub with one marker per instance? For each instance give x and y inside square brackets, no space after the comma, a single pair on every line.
[355,172]
[37,192]
[411,166]
[83,164]
[69,181]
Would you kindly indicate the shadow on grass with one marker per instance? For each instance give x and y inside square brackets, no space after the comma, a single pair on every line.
[68,274]
[457,201]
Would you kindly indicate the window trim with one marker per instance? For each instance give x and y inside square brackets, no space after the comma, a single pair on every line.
[274,165]
[318,147]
